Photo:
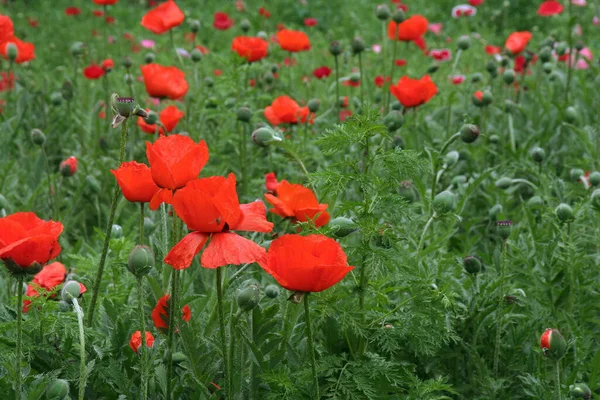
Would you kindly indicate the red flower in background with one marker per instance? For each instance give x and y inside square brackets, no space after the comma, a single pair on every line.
[293,41]
[94,71]
[492,50]
[351,83]
[136,182]
[105,2]
[68,167]
[408,30]
[441,54]
[517,41]
[478,95]
[163,18]
[72,11]
[414,92]
[32,22]
[108,64]
[136,340]
[380,80]
[271,182]
[222,21]
[250,48]
[322,72]
[210,207]
[310,22]
[285,110]
[169,117]
[44,281]
[297,202]
[110,20]
[98,13]
[7,82]
[164,81]
[264,12]
[26,239]
[26,51]
[310,263]
[400,63]
[160,313]
[476,3]
[6,28]
[345,114]
[549,8]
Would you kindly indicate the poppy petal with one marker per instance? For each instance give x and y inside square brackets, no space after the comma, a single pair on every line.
[182,254]
[229,248]
[161,196]
[253,218]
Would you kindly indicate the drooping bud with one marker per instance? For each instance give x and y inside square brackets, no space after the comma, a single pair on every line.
[140,261]
[382,12]
[68,167]
[444,202]
[451,158]
[38,137]
[571,115]
[358,45]
[248,298]
[116,231]
[504,229]
[196,55]
[580,391]
[553,344]
[335,48]
[58,389]
[342,227]
[266,136]
[472,264]
[508,76]
[464,42]
[71,290]
[12,52]
[393,120]
[245,25]
[469,133]
[564,212]
[126,61]
[575,174]
[272,291]
[314,105]
[398,16]
[538,154]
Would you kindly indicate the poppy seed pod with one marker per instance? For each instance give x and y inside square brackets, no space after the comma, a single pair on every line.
[272,291]
[269,78]
[335,48]
[196,55]
[594,178]
[149,58]
[571,115]
[469,133]
[58,389]
[382,12]
[545,54]
[342,227]
[472,264]
[564,212]
[245,25]
[580,391]
[265,136]
[503,183]
[579,46]
[209,82]
[396,105]
[393,120]
[596,198]
[575,174]
[116,231]
[494,211]
[561,49]
[451,158]
[464,42]
[314,105]
[152,118]
[77,49]
[56,98]
[67,90]
[504,229]
[508,76]
[433,68]
[358,45]
[444,202]
[248,298]
[398,16]
[140,261]
[194,26]
[38,137]
[127,63]
[398,142]
[12,52]
[491,67]
[553,344]
[71,290]
[538,154]
[124,106]
[244,114]
[548,67]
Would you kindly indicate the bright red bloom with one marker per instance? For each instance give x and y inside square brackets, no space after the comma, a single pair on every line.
[492,50]
[440,54]
[549,8]
[310,22]
[322,72]
[26,50]
[26,239]
[420,43]
[310,263]
[457,79]
[345,114]
[94,71]
[297,202]
[408,30]
[6,28]
[521,63]
[285,110]
[400,63]
[210,207]
[160,313]
[164,81]
[70,165]
[264,12]
[222,21]
[169,117]
[110,20]
[98,13]
[136,182]
[72,11]
[44,281]
[7,82]
[414,92]
[517,41]
[250,48]
[380,80]
[271,182]
[476,3]
[293,41]
[217,72]
[163,18]
[174,161]
[105,2]
[108,64]
[136,340]
[351,83]
[478,95]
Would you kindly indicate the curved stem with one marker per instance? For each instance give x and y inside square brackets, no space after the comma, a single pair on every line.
[222,329]
[500,310]
[142,349]
[19,335]
[436,164]
[429,221]
[82,379]
[311,347]
[141,223]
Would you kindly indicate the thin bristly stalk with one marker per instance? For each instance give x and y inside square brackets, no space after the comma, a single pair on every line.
[82,376]
[232,327]
[499,310]
[50,184]
[171,329]
[337,86]
[363,81]
[222,328]
[558,394]
[570,64]
[19,335]
[142,348]
[387,101]
[311,347]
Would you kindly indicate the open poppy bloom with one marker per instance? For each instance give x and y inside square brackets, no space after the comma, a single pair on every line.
[105,2]
[285,110]
[250,48]
[409,30]
[210,207]
[380,80]
[163,18]
[310,263]
[440,54]
[68,167]
[72,11]
[25,50]
[271,182]
[174,161]
[160,313]
[136,182]
[310,22]
[51,276]
[94,71]
[549,8]
[517,41]
[222,21]
[136,340]
[6,28]
[293,41]
[297,202]
[164,81]
[414,92]
[26,239]
[169,117]
[322,72]
[463,10]
[492,50]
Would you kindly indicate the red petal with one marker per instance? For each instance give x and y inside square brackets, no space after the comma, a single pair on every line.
[229,248]
[182,254]
[162,196]
[253,218]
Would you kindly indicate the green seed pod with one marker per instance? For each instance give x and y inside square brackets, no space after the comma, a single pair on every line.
[248,298]
[342,227]
[596,199]
[393,120]
[504,61]
[472,264]
[504,229]
[398,15]
[444,202]
[545,54]
[464,42]
[494,139]
[269,78]
[358,45]
[263,35]
[575,174]
[451,158]
[209,82]
[396,105]
[149,58]
[212,102]
[594,178]
[140,261]
[58,389]
[538,154]
[196,55]
[458,181]
[314,105]
[71,290]
[56,98]
[274,68]
[503,183]
[245,25]
[548,67]
[580,391]
[535,203]
[548,42]
[494,211]
[382,12]
[561,49]
[335,48]
[487,98]
[476,77]
[244,114]
[433,68]
[407,191]
[123,105]
[116,231]
[38,137]
[399,142]
[272,291]
[194,26]
[265,136]
[491,67]
[126,61]
[571,115]
[564,212]
[508,76]
[553,344]
[469,133]
[67,91]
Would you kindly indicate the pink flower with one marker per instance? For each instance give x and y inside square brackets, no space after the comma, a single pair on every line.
[457,79]
[376,48]
[463,10]
[440,54]
[581,64]
[436,28]
[596,21]
[580,3]
[147,43]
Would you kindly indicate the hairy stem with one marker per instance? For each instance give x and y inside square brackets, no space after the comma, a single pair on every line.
[311,347]
[222,330]
[82,379]
[142,349]
[19,335]
[499,310]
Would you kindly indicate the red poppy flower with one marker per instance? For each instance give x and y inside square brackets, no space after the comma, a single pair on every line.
[136,340]
[517,41]
[136,182]
[299,203]
[380,80]
[400,63]
[440,54]
[26,239]
[163,18]
[32,22]
[98,13]
[44,281]
[217,72]
[164,81]
[68,167]
[478,95]
[203,49]
[94,71]
[6,28]
[26,51]
[169,117]
[492,50]
[322,72]
[310,263]
[310,22]
[222,21]
[7,82]
[160,313]
[250,48]
[264,12]
[285,110]
[549,8]
[521,63]
[345,114]
[414,92]
[239,5]
[476,3]
[210,207]
[408,30]
[72,11]
[293,41]
[105,2]
[351,83]
[457,79]
[110,20]
[174,161]
[108,64]
[271,182]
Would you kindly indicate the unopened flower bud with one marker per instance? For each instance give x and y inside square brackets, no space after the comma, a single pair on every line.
[451,158]
[314,105]
[407,191]
[469,133]
[194,26]
[68,167]
[508,76]
[538,154]
[56,98]
[575,174]
[248,298]
[152,118]
[433,68]
[116,231]
[77,49]
[342,227]
[58,389]
[382,12]
[564,212]
[265,136]
[561,49]
[458,181]
[269,78]
[398,15]
[553,344]
[196,55]
[358,45]
[244,114]
[494,211]
[38,137]
[487,98]
[491,67]
[245,25]
[262,35]
[548,67]
[12,52]
[594,178]
[476,77]
[127,63]
[149,58]
[571,115]
[272,291]
[140,261]
[396,105]
[399,142]
[71,290]
[464,42]
[335,48]
[580,391]
[535,203]
[444,202]
[504,229]
[503,183]
[545,54]
[472,264]
[393,120]
[209,82]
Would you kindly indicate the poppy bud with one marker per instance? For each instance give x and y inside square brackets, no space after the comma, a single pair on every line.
[451,158]
[432,69]
[116,231]
[148,225]
[487,98]
[127,63]
[152,118]
[398,142]
[269,78]
[212,102]
[407,191]
[444,202]
[596,198]
[548,67]
[575,174]
[561,49]
[68,167]
[553,344]
[564,212]
[274,68]
[70,291]
[494,211]
[476,77]
[38,137]
[536,202]
[335,48]
[469,133]
[382,12]
[342,227]
[56,98]
[358,45]
[314,105]
[398,15]
[594,178]
[272,291]
[472,264]
[262,35]
[579,46]
[149,58]
[265,136]
[494,139]
[580,391]
[393,120]
[491,67]
[458,181]
[244,114]
[57,390]
[11,51]
[140,261]
[76,49]
[503,183]
[504,229]
[245,25]
[179,357]
[67,90]
[248,298]
[571,115]
[464,42]
[545,54]
[508,76]
[538,154]
[208,81]
[196,55]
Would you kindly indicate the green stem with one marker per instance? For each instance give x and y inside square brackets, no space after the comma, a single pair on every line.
[511,132]
[173,307]
[311,347]
[232,327]
[363,81]
[141,223]
[436,164]
[243,158]
[337,86]
[107,233]
[50,184]
[173,46]
[558,393]
[420,245]
[19,335]
[142,350]
[499,310]
[82,377]
[222,329]
[570,63]
[387,95]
